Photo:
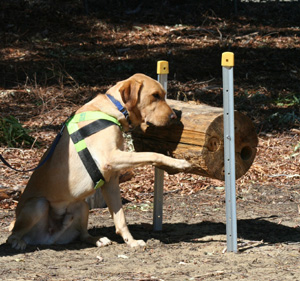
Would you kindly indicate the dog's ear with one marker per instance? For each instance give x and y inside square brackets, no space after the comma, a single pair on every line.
[130,92]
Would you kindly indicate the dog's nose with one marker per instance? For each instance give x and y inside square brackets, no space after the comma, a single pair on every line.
[173,116]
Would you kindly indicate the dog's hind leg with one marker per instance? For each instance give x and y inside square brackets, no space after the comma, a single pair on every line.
[75,224]
[34,210]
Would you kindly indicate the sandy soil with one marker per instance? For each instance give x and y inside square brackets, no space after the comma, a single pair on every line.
[191,246]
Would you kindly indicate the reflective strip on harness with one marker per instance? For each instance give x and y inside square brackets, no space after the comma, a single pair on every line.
[78,135]
[93,115]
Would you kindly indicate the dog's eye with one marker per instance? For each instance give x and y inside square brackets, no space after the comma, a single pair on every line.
[156,96]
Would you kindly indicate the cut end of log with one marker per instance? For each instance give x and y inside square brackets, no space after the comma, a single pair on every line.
[245,146]
[197,136]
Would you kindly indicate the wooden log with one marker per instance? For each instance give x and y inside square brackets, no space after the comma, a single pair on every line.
[197,136]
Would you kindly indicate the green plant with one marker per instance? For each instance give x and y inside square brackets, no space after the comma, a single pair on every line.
[13,134]
[289,100]
[285,119]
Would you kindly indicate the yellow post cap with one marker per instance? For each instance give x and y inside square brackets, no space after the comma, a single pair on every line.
[162,67]
[227,59]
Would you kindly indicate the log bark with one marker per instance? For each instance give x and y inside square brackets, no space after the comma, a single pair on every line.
[197,136]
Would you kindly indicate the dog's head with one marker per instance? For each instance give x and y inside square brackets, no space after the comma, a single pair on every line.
[145,100]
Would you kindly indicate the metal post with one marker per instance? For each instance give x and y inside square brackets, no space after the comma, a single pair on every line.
[229,151]
[162,77]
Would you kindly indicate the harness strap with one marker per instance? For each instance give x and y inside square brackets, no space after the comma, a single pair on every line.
[78,137]
[90,129]
[91,167]
[93,115]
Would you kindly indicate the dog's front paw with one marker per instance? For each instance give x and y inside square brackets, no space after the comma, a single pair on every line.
[103,242]
[16,243]
[176,166]
[183,164]
[137,243]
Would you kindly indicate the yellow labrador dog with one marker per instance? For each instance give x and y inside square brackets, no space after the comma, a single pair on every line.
[52,209]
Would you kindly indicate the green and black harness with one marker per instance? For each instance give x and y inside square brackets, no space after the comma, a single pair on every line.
[102,121]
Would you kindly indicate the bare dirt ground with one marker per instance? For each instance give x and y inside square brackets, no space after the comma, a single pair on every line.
[191,246]
[54,57]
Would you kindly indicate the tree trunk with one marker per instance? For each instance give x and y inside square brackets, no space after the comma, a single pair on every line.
[197,136]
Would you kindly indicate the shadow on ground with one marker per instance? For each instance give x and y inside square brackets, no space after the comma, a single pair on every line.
[248,229]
